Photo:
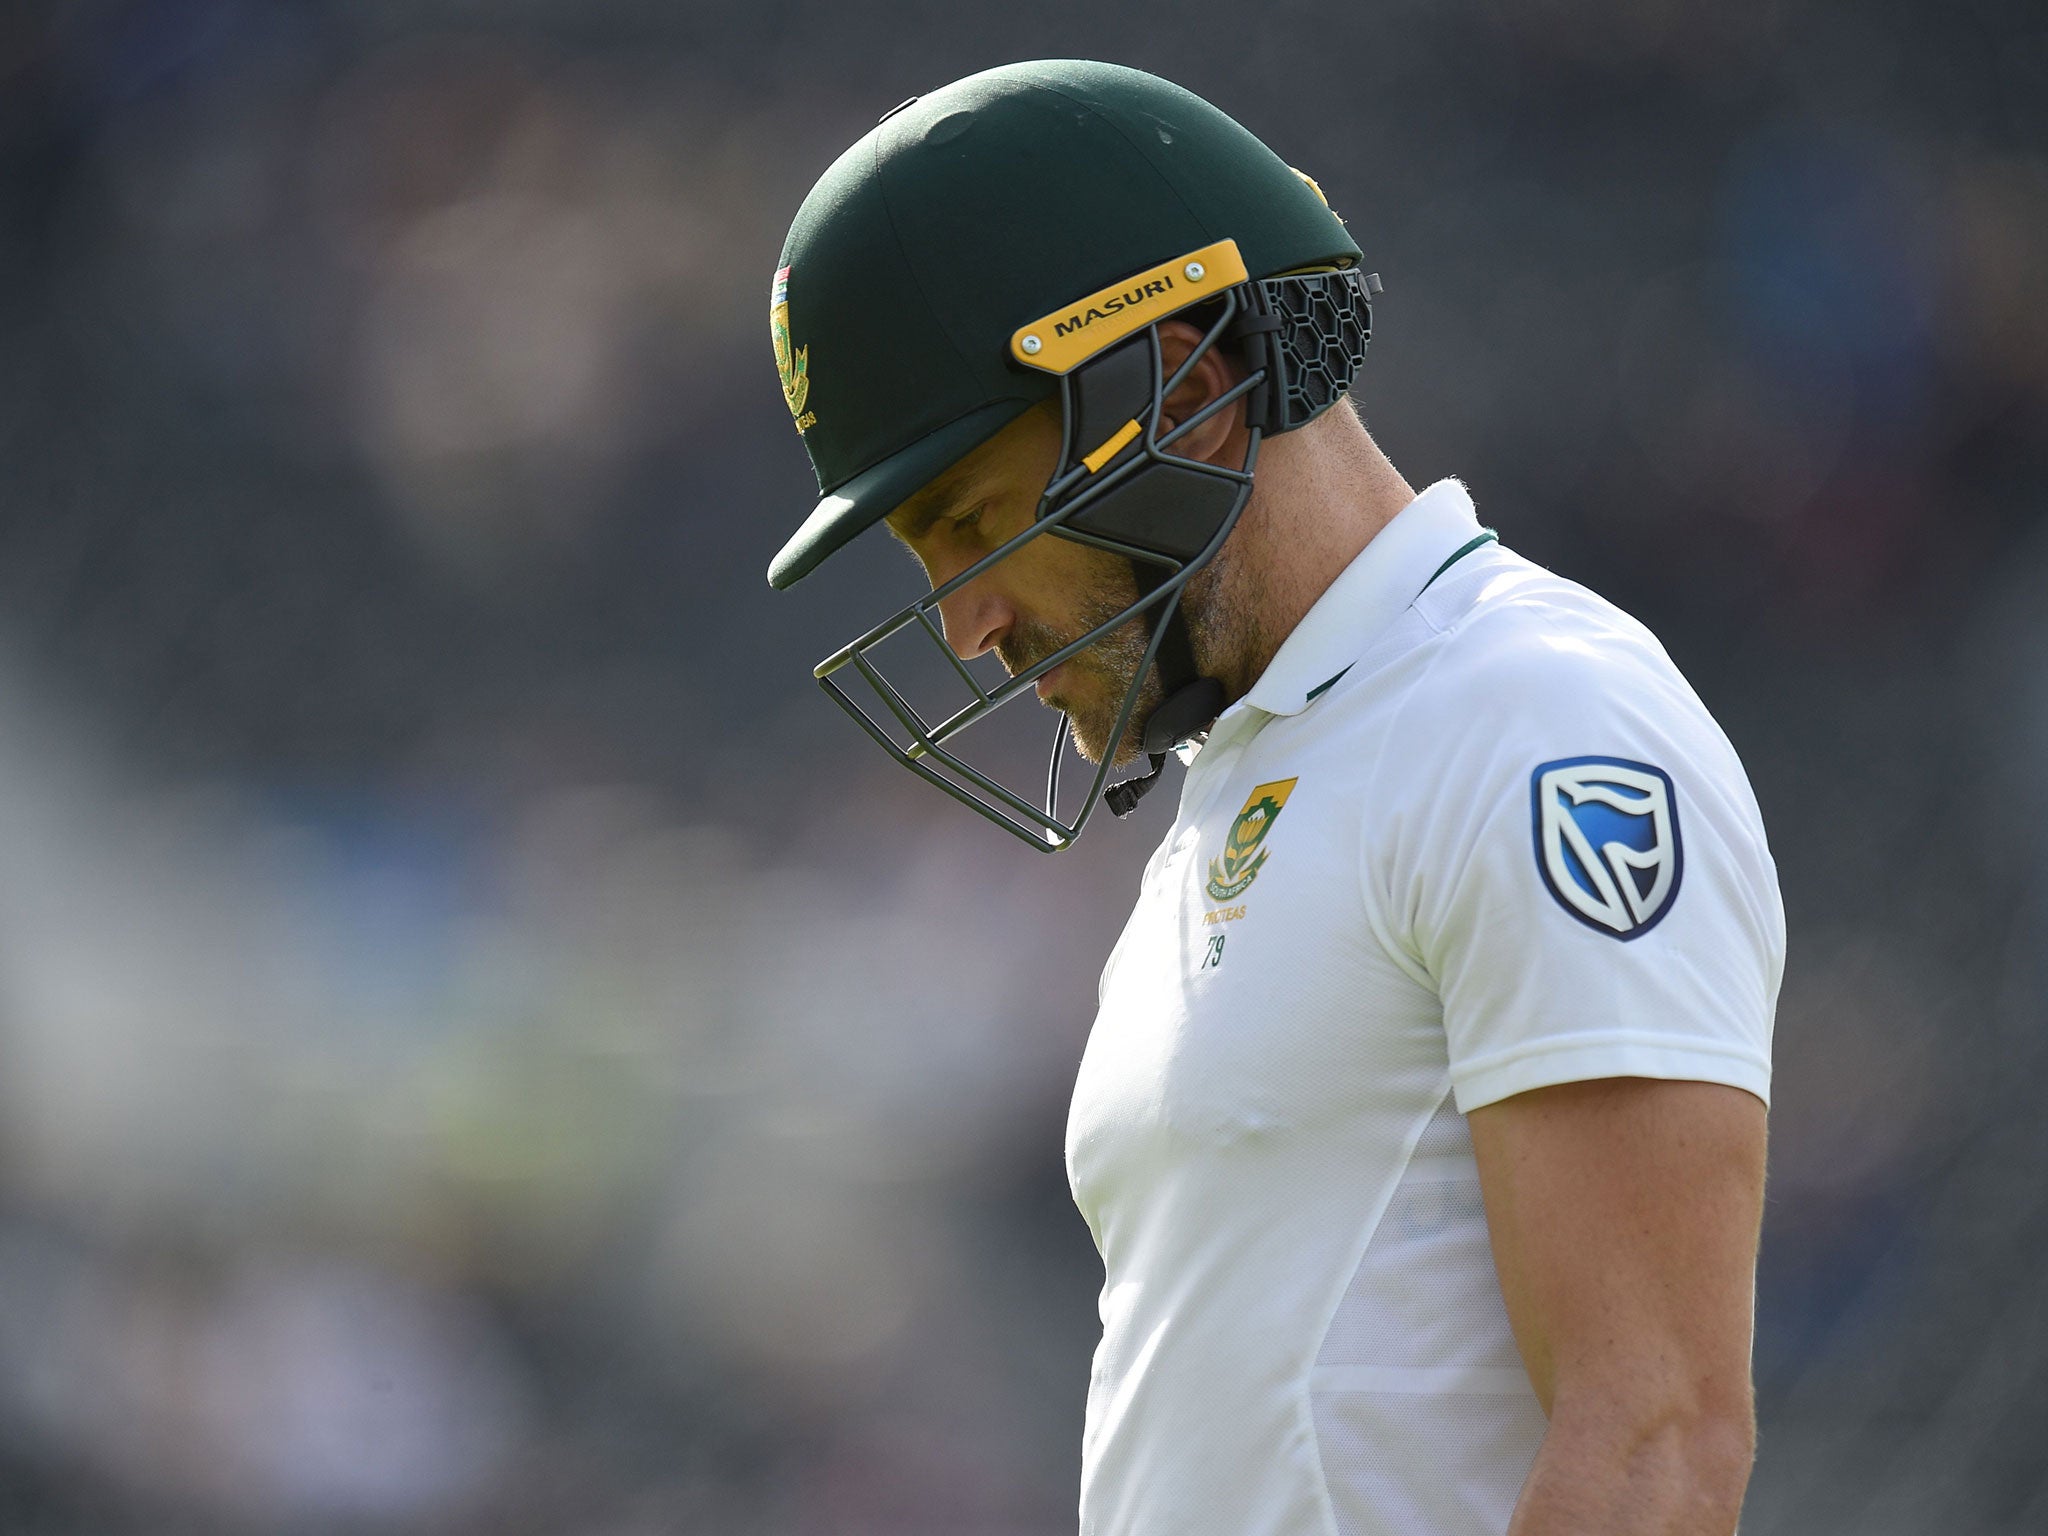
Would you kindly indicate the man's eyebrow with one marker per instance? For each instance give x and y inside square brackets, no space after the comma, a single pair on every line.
[932,503]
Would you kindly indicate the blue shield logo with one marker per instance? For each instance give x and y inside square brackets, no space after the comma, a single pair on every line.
[1607,841]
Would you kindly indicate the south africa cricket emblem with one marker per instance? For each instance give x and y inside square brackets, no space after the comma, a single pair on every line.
[791,361]
[1245,851]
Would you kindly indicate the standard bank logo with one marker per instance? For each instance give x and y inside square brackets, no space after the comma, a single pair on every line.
[1607,841]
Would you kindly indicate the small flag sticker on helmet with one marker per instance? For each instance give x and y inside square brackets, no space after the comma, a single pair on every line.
[791,361]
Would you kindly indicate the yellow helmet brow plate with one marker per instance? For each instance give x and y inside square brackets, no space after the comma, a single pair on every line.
[1063,340]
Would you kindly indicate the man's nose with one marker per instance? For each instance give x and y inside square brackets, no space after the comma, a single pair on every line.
[975,618]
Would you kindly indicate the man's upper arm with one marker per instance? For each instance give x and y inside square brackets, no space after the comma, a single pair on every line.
[1624,1215]
[1588,888]
[1592,894]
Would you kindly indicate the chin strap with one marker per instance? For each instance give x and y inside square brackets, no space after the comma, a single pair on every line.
[1191,704]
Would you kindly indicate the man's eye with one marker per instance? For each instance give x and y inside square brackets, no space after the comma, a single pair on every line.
[968,521]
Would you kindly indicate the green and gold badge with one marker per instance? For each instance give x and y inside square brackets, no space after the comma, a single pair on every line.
[792,362]
[1244,854]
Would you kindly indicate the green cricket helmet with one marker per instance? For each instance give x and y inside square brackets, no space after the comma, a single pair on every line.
[1017,236]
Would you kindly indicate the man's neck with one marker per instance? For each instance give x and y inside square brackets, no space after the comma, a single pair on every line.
[1321,496]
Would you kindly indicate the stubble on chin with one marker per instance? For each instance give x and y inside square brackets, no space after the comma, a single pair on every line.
[1091,724]
[1094,683]
[1094,702]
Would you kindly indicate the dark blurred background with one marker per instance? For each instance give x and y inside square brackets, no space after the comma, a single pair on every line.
[485,1047]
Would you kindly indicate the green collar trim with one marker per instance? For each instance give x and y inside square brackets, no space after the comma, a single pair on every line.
[1486,536]
[1322,688]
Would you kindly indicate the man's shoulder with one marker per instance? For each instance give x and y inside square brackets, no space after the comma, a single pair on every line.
[1515,634]
[1503,602]
[1502,660]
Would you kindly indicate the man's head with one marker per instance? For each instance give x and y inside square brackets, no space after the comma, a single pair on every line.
[1041,319]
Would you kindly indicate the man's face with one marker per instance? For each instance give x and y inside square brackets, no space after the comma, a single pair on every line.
[1045,595]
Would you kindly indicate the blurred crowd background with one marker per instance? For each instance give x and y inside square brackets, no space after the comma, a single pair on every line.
[485,1047]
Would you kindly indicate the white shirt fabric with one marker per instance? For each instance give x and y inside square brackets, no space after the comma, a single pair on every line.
[1303,1333]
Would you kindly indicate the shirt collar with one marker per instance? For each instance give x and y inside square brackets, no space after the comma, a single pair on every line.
[1367,596]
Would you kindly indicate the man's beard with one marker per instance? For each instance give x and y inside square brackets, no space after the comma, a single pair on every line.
[1093,685]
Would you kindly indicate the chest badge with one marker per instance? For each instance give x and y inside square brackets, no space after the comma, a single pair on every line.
[1244,852]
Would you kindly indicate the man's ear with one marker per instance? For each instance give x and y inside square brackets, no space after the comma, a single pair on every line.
[1210,377]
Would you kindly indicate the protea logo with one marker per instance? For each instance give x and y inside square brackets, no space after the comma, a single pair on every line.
[792,362]
[1607,841]
[1245,853]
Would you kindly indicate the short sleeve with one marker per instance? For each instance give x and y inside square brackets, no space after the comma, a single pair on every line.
[1585,879]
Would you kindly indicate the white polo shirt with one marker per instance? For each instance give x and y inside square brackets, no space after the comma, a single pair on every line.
[1455,844]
